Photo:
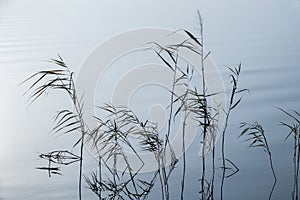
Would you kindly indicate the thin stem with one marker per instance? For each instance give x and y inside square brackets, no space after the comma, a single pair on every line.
[166,187]
[77,107]
[115,164]
[297,164]
[161,183]
[274,175]
[213,166]
[183,157]
[171,108]
[295,192]
[223,153]
[100,178]
[80,169]
[205,109]
[271,164]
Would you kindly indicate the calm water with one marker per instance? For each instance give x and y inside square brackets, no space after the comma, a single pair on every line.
[262,35]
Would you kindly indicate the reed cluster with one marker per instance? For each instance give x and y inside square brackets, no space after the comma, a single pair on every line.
[189,100]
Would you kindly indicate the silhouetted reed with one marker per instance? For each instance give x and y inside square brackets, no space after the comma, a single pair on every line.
[255,134]
[67,121]
[233,102]
[294,129]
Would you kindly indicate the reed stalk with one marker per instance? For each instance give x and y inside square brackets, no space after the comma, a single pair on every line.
[294,129]
[256,135]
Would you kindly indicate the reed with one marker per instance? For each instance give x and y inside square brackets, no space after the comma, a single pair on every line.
[255,134]
[233,103]
[294,131]
[67,121]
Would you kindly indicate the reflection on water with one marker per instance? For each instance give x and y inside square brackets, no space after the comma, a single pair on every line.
[265,41]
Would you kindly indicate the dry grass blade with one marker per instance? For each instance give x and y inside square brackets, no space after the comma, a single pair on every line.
[193,37]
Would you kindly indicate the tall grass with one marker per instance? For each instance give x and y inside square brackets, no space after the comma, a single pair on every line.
[67,121]
[294,131]
[256,135]
[233,103]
